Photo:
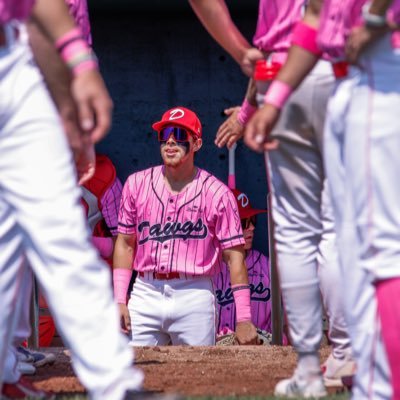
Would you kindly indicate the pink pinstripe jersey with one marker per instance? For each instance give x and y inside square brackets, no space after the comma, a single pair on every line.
[79,12]
[259,280]
[183,232]
[276,19]
[15,9]
[338,17]
[110,205]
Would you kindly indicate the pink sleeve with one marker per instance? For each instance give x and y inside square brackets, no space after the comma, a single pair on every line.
[110,205]
[79,11]
[127,209]
[228,228]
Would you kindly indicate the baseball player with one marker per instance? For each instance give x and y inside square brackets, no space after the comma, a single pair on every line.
[176,224]
[101,196]
[304,232]
[257,270]
[361,135]
[40,215]
[46,54]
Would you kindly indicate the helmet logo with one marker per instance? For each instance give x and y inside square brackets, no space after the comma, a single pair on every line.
[243,200]
[176,114]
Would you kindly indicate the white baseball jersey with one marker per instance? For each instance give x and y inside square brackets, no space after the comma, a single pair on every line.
[184,232]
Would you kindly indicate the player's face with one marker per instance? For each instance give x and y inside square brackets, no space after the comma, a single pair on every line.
[177,146]
[248,226]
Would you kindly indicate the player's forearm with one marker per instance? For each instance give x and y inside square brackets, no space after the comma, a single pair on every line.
[53,17]
[122,266]
[235,259]
[251,92]
[215,17]
[297,66]
[301,61]
[56,74]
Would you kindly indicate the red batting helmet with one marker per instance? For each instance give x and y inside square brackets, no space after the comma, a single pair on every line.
[180,116]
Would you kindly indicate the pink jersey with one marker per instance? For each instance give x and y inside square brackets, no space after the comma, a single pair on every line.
[15,9]
[259,280]
[338,17]
[110,205]
[79,11]
[183,232]
[276,19]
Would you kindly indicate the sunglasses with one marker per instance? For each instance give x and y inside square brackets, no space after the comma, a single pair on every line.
[246,222]
[180,134]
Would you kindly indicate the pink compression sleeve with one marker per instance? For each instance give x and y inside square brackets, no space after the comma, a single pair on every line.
[104,245]
[247,110]
[121,279]
[241,294]
[278,93]
[305,36]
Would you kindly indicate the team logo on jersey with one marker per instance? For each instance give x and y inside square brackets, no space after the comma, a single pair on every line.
[176,113]
[172,230]
[257,293]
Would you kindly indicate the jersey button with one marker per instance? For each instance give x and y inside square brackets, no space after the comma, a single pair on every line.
[165,246]
[169,218]
[171,200]
[162,268]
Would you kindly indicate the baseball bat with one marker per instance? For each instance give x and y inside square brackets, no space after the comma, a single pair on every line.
[276,300]
[232,173]
[33,340]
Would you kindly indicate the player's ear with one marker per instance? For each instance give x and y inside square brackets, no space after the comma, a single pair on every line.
[197,144]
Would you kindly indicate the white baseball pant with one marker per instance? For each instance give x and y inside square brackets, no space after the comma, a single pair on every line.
[41,217]
[304,230]
[362,162]
[176,311]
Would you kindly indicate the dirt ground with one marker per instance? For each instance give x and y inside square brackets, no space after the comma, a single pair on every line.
[192,371]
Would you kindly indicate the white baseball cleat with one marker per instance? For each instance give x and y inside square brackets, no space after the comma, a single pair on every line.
[296,387]
[334,369]
[25,368]
[37,358]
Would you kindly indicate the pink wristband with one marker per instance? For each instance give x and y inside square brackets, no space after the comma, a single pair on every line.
[247,110]
[76,52]
[305,36]
[277,94]
[241,294]
[104,245]
[121,279]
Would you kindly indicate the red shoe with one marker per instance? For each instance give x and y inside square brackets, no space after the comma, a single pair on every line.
[23,389]
[348,381]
